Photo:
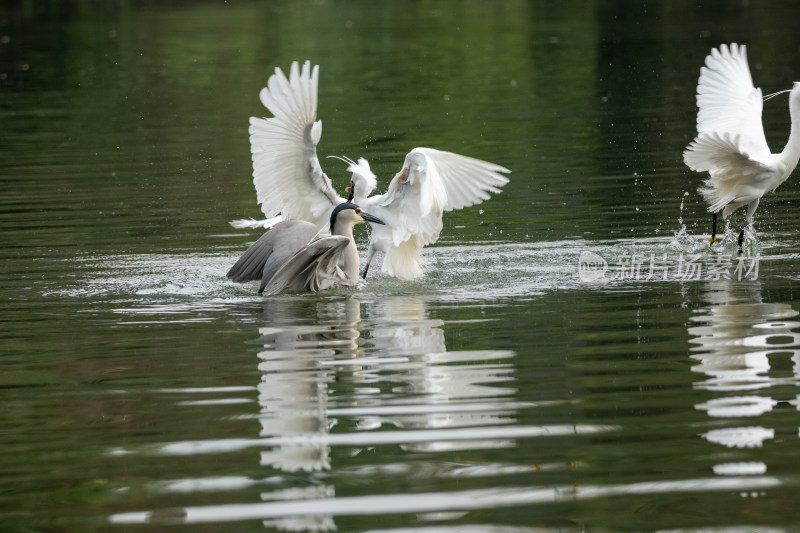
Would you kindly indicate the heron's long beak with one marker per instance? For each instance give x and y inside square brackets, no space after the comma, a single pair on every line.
[366,217]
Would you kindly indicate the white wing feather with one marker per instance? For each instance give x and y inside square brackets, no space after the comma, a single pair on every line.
[467,181]
[728,102]
[730,143]
[290,183]
[286,171]
[732,174]
[430,183]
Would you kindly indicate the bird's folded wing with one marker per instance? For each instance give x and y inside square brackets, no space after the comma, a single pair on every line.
[286,171]
[430,183]
[722,155]
[727,101]
[313,268]
[250,265]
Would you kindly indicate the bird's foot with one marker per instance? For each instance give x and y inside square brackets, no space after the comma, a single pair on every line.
[712,240]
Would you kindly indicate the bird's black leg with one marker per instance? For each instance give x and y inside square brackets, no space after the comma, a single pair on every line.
[713,229]
[370,256]
[741,238]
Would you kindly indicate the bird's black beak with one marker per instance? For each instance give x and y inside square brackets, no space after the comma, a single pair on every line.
[366,217]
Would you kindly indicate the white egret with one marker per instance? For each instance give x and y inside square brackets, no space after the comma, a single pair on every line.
[290,257]
[290,183]
[730,143]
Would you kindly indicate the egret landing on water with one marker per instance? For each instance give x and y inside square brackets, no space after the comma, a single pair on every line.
[290,183]
[290,257]
[730,143]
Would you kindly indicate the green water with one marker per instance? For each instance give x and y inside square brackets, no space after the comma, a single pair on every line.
[142,391]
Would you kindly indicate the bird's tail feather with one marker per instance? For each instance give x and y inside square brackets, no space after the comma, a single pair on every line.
[243,223]
[714,196]
[404,261]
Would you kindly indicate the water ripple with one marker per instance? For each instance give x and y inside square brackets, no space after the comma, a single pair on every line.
[467,500]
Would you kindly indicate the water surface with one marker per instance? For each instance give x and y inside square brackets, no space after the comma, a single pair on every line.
[510,389]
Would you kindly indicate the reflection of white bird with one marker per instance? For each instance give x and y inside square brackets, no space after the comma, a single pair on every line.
[730,143]
[289,257]
[289,180]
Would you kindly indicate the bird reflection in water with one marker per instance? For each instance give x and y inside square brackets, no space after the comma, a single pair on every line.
[294,386]
[385,365]
[293,393]
[738,340]
[440,389]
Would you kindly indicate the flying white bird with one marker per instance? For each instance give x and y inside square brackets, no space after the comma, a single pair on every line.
[290,183]
[730,143]
[291,257]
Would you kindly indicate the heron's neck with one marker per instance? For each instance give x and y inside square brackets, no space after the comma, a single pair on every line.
[359,195]
[349,263]
[791,152]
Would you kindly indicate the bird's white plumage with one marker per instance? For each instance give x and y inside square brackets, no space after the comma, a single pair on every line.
[728,102]
[363,178]
[730,143]
[430,183]
[286,171]
[290,181]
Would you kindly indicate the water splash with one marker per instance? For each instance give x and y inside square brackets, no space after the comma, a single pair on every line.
[682,241]
[727,241]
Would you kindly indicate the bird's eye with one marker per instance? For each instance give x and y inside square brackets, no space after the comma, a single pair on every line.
[359,211]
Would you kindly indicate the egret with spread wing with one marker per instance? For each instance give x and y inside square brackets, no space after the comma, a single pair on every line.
[730,143]
[290,257]
[290,183]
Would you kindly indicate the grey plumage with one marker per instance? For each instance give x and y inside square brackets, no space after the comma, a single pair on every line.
[289,257]
[277,246]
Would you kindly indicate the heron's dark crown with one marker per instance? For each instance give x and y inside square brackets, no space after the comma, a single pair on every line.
[338,208]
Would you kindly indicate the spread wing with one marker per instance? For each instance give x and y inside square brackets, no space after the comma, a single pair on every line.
[313,268]
[286,171]
[730,143]
[430,183]
[728,102]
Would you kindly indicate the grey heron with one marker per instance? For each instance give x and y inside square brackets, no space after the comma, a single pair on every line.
[730,143]
[290,183]
[290,257]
